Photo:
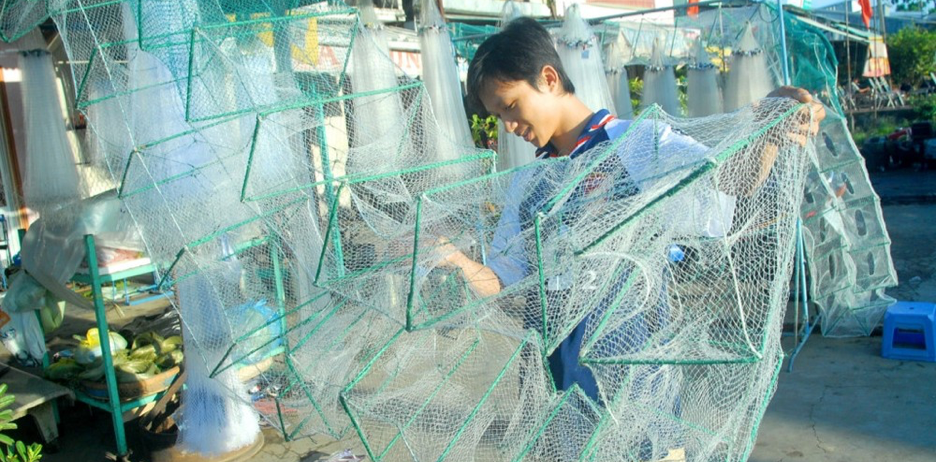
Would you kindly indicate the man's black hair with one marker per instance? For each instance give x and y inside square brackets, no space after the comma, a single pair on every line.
[518,52]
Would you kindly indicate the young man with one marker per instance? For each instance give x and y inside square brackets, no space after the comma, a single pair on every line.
[517,76]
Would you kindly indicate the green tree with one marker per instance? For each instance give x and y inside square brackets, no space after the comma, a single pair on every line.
[923,6]
[636,91]
[484,131]
[911,51]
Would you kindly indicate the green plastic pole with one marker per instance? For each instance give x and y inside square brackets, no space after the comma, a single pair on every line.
[537,225]
[104,334]
[330,194]
[410,297]
[484,399]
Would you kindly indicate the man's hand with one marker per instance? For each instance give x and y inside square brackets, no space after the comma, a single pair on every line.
[449,255]
[482,280]
[810,116]
[746,172]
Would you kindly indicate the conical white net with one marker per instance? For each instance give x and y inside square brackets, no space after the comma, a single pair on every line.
[440,76]
[580,54]
[618,53]
[512,150]
[749,77]
[703,97]
[51,175]
[660,83]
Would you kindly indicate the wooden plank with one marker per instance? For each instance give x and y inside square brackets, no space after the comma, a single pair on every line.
[30,391]
[34,396]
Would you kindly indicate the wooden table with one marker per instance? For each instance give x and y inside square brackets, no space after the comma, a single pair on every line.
[34,397]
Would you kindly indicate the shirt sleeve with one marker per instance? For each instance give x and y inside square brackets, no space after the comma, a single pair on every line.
[507,255]
[702,210]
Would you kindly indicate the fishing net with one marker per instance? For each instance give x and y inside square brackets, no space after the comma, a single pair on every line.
[373,72]
[749,78]
[580,54]
[703,97]
[51,175]
[660,83]
[681,286]
[306,240]
[512,150]
[618,52]
[847,245]
[440,76]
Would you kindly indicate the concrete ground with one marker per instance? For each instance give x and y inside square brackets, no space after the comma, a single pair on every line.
[842,402]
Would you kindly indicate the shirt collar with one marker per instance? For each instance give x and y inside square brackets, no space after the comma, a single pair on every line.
[585,139]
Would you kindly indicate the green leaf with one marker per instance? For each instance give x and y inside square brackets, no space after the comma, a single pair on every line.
[35,452]
[6,440]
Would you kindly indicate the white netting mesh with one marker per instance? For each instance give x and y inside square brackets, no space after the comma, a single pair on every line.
[50,173]
[372,71]
[618,52]
[703,97]
[441,78]
[512,150]
[662,336]
[580,54]
[847,245]
[302,231]
[749,77]
[660,83]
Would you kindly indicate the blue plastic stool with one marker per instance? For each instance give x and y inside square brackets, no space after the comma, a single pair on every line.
[909,332]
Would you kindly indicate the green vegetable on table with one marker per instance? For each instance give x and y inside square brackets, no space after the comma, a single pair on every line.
[150,354]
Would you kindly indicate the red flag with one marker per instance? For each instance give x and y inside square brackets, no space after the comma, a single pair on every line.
[866,12]
[693,11]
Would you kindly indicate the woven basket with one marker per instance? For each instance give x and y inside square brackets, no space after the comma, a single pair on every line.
[132,390]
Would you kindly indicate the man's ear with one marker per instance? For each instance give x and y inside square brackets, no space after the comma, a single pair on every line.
[549,80]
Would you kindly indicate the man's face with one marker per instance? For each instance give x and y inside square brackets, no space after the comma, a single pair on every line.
[525,111]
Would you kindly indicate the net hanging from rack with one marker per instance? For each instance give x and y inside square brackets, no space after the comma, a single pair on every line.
[50,172]
[703,97]
[512,150]
[618,53]
[440,75]
[581,58]
[660,82]
[749,78]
